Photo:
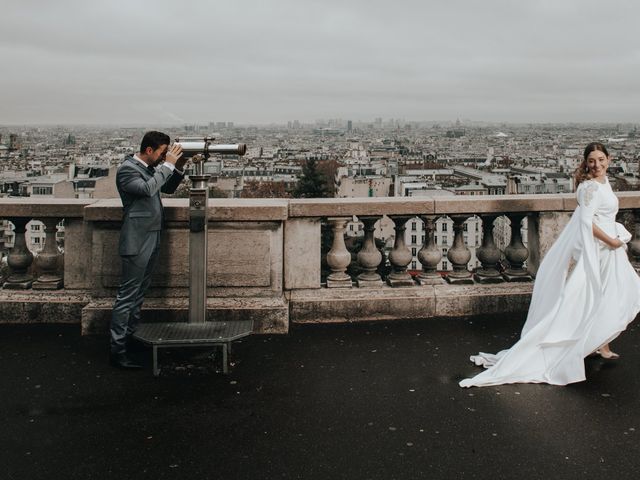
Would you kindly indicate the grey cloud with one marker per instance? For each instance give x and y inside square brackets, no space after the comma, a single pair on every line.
[258,61]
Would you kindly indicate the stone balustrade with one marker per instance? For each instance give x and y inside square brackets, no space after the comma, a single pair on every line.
[21,261]
[265,261]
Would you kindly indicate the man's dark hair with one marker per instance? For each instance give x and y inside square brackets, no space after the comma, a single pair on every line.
[154,140]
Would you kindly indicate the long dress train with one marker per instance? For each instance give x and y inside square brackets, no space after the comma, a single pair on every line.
[571,314]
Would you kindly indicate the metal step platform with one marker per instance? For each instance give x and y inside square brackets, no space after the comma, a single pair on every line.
[205,334]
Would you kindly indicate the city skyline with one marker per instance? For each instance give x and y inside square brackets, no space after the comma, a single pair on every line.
[251,63]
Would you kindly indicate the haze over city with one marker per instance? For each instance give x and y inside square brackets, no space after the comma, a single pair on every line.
[137,62]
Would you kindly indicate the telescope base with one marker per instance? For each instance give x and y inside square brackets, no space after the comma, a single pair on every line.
[206,334]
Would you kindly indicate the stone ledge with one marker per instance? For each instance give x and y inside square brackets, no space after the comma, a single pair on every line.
[628,200]
[337,207]
[33,207]
[219,210]
[273,315]
[270,315]
[470,300]
[351,305]
[347,207]
[498,204]
[29,306]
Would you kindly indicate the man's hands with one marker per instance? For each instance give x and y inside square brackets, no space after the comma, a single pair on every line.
[173,156]
[180,163]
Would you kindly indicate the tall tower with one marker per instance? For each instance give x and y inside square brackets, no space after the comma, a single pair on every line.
[13,142]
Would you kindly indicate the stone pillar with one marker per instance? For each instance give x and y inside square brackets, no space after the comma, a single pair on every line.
[459,255]
[488,254]
[543,230]
[302,253]
[516,252]
[20,258]
[338,257]
[369,257]
[634,245]
[400,256]
[429,255]
[47,259]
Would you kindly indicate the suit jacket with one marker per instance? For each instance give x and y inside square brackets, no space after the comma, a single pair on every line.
[139,190]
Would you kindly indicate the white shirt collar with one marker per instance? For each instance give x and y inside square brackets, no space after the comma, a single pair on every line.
[136,157]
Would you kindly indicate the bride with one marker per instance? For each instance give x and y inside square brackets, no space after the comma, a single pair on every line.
[573,314]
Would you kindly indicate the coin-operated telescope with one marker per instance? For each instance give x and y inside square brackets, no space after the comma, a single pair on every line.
[199,149]
[197,331]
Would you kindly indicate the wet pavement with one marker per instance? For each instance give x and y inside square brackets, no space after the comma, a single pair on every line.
[355,401]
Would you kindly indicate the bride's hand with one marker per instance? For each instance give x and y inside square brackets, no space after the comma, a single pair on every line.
[617,243]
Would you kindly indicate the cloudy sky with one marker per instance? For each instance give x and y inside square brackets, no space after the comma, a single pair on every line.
[251,61]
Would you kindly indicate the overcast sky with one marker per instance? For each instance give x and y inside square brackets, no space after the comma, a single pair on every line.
[250,61]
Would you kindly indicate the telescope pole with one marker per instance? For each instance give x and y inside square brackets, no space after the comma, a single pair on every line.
[198,201]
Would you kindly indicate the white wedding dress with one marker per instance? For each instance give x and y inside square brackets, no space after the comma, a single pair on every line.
[571,314]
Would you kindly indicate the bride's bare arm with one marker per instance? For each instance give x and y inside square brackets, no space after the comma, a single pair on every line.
[606,239]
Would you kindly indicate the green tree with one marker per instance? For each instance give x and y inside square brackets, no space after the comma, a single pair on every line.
[312,183]
[329,168]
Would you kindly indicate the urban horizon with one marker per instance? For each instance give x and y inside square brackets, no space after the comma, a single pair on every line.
[317,121]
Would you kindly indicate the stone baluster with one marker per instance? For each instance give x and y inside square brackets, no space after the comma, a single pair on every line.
[400,256]
[429,255]
[369,257]
[20,258]
[47,260]
[516,252]
[488,254]
[459,255]
[338,257]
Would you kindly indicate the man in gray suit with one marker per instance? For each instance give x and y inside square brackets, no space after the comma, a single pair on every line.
[140,181]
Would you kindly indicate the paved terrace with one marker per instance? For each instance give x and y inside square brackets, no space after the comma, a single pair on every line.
[351,401]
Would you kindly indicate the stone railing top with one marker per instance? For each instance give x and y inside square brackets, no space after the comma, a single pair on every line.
[462,204]
[33,207]
[266,209]
[626,200]
[345,207]
[220,210]
[498,204]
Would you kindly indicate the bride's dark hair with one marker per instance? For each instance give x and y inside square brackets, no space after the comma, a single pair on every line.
[582,172]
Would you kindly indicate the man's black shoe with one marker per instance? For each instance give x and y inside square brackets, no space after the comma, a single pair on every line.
[120,360]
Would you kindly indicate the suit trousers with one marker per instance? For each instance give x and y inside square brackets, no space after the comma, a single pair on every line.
[136,278]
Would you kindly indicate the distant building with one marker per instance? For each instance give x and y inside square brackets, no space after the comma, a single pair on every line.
[93,181]
[471,189]
[455,133]
[51,186]
[13,142]
[363,186]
